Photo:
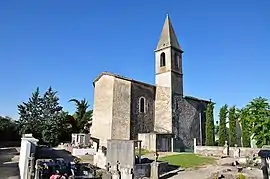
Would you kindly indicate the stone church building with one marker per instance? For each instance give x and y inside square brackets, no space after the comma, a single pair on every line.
[159,115]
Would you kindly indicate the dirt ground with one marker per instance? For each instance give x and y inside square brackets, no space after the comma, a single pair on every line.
[208,171]
[9,163]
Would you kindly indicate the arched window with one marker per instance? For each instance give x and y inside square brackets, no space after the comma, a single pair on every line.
[142,105]
[176,60]
[162,60]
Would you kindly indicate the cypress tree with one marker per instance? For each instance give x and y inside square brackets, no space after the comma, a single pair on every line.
[210,126]
[232,126]
[222,134]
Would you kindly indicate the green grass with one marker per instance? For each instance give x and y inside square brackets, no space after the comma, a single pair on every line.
[143,152]
[187,160]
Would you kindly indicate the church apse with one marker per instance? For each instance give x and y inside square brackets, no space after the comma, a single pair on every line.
[142,109]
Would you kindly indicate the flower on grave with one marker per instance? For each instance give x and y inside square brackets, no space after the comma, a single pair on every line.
[77,160]
[41,167]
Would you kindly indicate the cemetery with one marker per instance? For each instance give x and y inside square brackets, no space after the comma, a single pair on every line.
[123,159]
[137,130]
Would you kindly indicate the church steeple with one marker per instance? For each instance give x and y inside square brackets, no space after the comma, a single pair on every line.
[168,37]
[169,60]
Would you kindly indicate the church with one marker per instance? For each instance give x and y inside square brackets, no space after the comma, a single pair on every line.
[157,114]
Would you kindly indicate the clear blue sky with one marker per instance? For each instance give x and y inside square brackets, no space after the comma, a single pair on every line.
[66,44]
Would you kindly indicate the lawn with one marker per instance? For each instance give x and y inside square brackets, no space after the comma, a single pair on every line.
[187,160]
[143,152]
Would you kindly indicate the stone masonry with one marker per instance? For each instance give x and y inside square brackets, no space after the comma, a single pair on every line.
[124,107]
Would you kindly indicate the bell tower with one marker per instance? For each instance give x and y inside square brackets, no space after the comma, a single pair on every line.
[168,55]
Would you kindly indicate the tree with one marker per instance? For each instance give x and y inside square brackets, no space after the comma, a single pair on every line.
[222,135]
[232,126]
[82,118]
[246,127]
[30,113]
[259,120]
[43,117]
[210,127]
[53,118]
[8,129]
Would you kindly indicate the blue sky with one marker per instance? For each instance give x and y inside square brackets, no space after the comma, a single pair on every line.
[66,44]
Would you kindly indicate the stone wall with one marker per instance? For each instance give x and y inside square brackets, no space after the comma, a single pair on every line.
[210,150]
[163,110]
[121,110]
[148,141]
[219,151]
[102,109]
[86,151]
[142,122]
[188,121]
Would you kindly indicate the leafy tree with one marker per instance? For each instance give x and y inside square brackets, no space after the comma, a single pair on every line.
[246,127]
[30,113]
[259,120]
[82,118]
[210,127]
[43,117]
[53,118]
[232,126]
[8,129]
[222,135]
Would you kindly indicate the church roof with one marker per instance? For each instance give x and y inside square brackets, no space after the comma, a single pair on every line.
[121,77]
[197,99]
[168,37]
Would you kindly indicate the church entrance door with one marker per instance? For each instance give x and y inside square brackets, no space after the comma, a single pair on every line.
[163,144]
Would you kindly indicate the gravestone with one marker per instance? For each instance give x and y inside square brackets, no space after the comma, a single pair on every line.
[122,151]
[226,149]
[236,152]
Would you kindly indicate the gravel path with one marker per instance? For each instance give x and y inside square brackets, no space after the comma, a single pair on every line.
[208,171]
[9,169]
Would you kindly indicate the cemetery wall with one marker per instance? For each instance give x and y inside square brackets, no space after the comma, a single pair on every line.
[219,151]
[80,152]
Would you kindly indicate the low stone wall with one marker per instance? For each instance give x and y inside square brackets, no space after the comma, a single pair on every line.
[87,151]
[219,151]
[209,150]
[244,151]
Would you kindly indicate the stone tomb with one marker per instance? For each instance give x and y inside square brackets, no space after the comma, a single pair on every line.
[120,158]
[121,151]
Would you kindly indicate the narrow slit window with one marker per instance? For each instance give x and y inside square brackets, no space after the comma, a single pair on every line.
[176,60]
[142,105]
[162,60]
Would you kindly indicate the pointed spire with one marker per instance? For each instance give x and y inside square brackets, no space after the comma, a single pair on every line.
[168,37]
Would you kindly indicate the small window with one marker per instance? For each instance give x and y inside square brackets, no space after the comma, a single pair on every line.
[176,60]
[162,60]
[142,105]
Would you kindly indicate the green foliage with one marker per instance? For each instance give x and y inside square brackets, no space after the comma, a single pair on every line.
[53,118]
[222,135]
[30,113]
[259,120]
[210,127]
[246,128]
[232,126]
[82,119]
[8,129]
[43,117]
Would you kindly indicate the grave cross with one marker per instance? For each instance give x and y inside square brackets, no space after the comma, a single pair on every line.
[117,165]
[156,156]
[108,166]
